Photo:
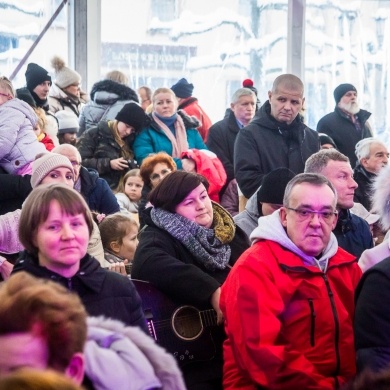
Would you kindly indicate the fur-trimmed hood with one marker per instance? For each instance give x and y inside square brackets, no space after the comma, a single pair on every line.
[123,357]
[381,196]
[122,91]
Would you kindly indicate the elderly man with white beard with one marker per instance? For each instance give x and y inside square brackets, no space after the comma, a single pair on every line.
[347,124]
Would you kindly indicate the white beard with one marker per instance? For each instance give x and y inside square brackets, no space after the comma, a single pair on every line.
[352,108]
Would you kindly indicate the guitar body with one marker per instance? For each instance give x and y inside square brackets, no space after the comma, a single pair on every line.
[182,330]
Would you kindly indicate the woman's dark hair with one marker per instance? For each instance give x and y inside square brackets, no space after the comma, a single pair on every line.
[174,188]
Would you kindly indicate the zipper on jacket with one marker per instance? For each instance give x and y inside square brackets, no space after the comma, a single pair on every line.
[70,284]
[312,322]
[336,323]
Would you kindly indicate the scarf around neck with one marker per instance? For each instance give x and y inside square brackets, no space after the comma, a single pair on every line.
[209,246]
[179,140]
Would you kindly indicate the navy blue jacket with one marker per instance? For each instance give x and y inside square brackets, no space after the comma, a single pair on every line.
[353,233]
[97,193]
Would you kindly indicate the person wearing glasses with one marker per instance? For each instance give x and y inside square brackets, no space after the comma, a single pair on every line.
[108,147]
[352,232]
[288,302]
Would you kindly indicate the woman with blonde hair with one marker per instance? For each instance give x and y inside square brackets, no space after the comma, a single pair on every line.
[170,131]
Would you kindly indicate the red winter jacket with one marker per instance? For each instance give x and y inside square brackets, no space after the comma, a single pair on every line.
[289,325]
[210,166]
[192,108]
[48,142]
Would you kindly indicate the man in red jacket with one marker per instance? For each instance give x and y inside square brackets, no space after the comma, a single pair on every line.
[183,91]
[289,300]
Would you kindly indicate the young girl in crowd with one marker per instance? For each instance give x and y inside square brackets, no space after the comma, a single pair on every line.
[18,143]
[119,233]
[128,193]
[40,128]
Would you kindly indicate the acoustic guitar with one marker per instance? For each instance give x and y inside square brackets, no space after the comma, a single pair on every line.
[183,330]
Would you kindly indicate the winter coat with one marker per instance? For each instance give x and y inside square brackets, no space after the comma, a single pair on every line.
[266,144]
[98,147]
[59,100]
[102,292]
[364,192]
[280,308]
[125,204]
[372,318]
[153,140]
[353,233]
[138,362]
[107,99]
[343,131]
[18,143]
[51,128]
[171,268]
[373,256]
[209,166]
[97,192]
[221,139]
[192,108]
[247,220]
[48,142]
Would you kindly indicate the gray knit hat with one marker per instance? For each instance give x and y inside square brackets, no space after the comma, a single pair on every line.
[43,165]
[64,76]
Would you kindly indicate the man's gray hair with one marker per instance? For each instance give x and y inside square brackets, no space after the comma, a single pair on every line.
[314,179]
[317,162]
[242,92]
[362,148]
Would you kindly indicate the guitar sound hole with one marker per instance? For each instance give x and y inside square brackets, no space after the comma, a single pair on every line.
[186,323]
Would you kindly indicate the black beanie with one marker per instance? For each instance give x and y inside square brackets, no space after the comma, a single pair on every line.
[36,75]
[341,90]
[182,89]
[325,139]
[273,186]
[133,115]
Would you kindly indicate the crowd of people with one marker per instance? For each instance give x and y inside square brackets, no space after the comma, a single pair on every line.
[273,233]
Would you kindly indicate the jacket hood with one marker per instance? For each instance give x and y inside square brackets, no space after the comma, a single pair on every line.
[139,363]
[114,91]
[271,228]
[24,108]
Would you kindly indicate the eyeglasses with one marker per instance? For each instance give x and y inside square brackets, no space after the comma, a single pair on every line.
[159,176]
[304,214]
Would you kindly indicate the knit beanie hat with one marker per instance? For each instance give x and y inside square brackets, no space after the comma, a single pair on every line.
[273,186]
[64,75]
[248,83]
[341,90]
[325,139]
[133,115]
[182,89]
[43,165]
[36,75]
[67,122]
